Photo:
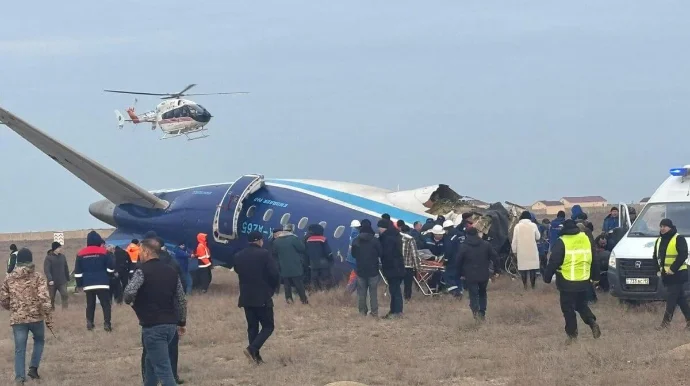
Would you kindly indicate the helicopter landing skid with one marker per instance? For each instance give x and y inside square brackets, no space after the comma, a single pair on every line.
[178,133]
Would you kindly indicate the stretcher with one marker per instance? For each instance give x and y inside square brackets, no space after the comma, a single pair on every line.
[430,267]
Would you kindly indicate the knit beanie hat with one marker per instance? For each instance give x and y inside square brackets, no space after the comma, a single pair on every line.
[93,239]
[666,223]
[24,256]
[55,245]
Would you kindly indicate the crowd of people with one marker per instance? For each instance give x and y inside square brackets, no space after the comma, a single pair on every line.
[155,281]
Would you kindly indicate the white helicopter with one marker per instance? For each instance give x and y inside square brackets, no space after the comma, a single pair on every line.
[174,116]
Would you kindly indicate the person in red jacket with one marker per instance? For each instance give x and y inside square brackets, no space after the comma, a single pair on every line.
[203,254]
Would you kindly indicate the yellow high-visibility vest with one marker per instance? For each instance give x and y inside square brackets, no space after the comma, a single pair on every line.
[671,253]
[577,263]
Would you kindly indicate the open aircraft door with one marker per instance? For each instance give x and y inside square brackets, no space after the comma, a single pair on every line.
[230,207]
[624,216]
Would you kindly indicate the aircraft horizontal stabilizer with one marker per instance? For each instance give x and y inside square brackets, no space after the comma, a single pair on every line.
[106,182]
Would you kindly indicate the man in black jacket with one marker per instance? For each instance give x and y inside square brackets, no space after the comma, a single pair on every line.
[670,253]
[122,267]
[12,262]
[392,265]
[173,347]
[367,251]
[575,268]
[473,258]
[158,298]
[258,275]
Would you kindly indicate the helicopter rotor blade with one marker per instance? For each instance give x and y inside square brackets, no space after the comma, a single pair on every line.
[134,92]
[220,93]
[185,89]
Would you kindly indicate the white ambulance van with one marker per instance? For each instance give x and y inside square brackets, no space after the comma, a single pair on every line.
[632,271]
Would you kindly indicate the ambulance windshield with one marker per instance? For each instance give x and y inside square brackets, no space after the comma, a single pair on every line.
[647,223]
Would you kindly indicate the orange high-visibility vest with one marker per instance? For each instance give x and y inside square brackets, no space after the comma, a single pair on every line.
[202,251]
[133,251]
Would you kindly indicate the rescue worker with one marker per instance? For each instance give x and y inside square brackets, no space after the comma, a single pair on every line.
[91,269]
[203,255]
[670,253]
[258,276]
[416,232]
[427,225]
[434,241]
[25,294]
[573,264]
[451,243]
[320,258]
[13,258]
[57,273]
[133,251]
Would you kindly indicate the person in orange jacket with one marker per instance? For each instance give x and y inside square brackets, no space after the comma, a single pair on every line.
[203,254]
[133,252]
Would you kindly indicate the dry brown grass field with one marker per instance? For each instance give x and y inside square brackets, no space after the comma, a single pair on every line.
[436,343]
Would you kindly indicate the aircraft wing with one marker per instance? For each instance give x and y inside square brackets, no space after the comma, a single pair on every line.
[106,182]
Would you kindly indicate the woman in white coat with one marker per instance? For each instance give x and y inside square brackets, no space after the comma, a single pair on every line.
[524,245]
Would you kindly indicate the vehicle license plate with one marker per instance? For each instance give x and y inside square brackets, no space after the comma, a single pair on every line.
[637,281]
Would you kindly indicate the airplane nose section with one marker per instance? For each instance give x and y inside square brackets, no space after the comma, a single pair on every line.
[103,210]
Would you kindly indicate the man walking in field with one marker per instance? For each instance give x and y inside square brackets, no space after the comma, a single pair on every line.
[157,296]
[572,262]
[25,293]
[57,273]
[258,275]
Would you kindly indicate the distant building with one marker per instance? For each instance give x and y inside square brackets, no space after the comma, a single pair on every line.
[584,202]
[644,201]
[548,206]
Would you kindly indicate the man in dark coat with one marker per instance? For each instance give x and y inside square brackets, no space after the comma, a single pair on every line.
[57,274]
[670,253]
[572,261]
[122,267]
[258,276]
[13,258]
[473,264]
[288,250]
[392,265]
[367,251]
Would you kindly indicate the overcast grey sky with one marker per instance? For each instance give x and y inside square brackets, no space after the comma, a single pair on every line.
[511,100]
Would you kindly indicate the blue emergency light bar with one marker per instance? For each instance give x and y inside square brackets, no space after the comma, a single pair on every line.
[679,172]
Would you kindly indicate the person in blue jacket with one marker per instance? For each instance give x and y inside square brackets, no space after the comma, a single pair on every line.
[576,213]
[611,221]
[182,255]
[351,261]
[92,270]
[556,226]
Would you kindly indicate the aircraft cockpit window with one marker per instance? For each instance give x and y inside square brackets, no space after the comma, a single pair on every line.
[339,231]
[323,224]
[302,223]
[284,220]
[176,113]
[184,111]
[268,214]
[251,211]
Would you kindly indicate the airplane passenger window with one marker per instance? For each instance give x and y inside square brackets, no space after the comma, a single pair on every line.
[302,223]
[284,220]
[251,210]
[323,224]
[339,231]
[268,214]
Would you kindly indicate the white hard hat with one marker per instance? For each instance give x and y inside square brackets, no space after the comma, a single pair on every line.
[448,223]
[355,224]
[438,230]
